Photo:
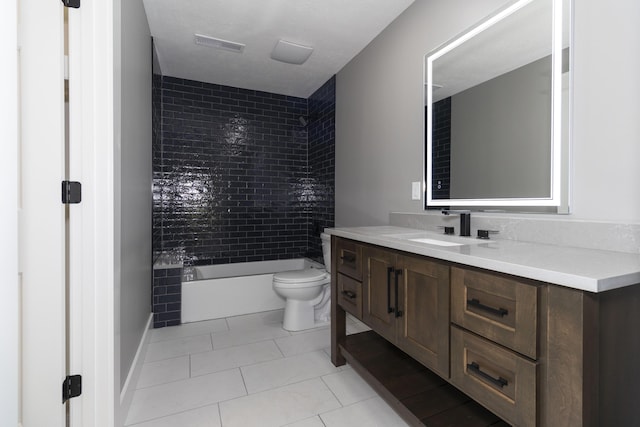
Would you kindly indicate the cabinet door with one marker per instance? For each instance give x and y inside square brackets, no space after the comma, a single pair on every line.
[423,312]
[379,303]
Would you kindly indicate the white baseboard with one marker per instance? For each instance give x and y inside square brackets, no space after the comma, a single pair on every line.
[126,395]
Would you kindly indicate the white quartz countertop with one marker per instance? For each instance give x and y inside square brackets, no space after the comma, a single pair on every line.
[585,269]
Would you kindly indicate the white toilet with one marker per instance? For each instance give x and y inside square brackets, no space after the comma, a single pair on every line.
[307,293]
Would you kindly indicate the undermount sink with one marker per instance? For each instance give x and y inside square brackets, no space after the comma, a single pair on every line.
[436,242]
[429,238]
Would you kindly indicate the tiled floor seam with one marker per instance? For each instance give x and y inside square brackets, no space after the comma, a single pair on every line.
[246,390]
[181,337]
[238,345]
[279,349]
[198,376]
[332,392]
[178,413]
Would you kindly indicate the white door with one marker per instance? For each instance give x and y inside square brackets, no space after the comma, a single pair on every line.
[90,238]
[41,235]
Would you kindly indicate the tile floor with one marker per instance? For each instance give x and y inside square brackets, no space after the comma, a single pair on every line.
[247,371]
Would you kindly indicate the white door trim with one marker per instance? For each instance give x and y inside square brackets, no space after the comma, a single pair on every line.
[9,303]
[94,136]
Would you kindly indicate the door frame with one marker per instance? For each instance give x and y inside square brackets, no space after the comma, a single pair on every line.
[94,51]
[9,303]
[94,137]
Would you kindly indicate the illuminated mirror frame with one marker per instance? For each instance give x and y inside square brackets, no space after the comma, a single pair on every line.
[556,198]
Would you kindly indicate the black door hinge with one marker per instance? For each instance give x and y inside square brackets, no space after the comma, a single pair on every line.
[71,3]
[71,387]
[71,192]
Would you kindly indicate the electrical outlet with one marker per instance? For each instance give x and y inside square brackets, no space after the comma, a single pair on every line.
[415,190]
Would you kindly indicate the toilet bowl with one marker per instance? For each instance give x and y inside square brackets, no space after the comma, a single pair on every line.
[307,293]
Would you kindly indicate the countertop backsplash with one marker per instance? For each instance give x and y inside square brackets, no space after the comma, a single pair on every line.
[611,236]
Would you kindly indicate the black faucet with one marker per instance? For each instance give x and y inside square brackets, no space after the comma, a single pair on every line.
[465,220]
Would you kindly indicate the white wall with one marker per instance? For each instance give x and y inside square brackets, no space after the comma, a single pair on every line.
[135,182]
[9,216]
[606,140]
[379,115]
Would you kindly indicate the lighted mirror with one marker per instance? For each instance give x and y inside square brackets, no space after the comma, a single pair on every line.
[497,111]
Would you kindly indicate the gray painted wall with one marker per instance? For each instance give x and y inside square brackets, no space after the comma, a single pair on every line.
[379,124]
[135,195]
[513,158]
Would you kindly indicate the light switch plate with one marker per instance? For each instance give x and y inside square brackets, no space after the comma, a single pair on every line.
[415,190]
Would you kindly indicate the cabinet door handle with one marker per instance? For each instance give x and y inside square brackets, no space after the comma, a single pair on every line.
[349,294]
[474,302]
[475,368]
[389,271]
[399,313]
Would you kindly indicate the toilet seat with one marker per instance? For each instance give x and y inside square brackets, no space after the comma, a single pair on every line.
[300,278]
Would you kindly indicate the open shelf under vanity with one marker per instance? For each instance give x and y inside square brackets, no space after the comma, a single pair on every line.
[420,396]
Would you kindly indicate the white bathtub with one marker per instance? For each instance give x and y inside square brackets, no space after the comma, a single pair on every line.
[233,289]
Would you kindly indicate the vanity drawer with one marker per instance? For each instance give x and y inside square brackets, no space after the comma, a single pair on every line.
[501,309]
[349,258]
[350,295]
[499,379]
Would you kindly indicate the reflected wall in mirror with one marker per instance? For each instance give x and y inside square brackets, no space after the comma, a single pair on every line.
[497,111]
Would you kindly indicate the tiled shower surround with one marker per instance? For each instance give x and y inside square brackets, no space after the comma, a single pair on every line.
[241,175]
[441,143]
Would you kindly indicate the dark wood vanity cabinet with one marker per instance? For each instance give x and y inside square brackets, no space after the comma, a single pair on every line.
[456,345]
[494,342]
[406,300]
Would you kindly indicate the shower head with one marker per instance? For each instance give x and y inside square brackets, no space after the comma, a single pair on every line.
[303,121]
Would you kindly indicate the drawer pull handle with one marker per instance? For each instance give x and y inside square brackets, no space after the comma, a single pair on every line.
[348,258]
[349,294]
[389,271]
[475,368]
[495,311]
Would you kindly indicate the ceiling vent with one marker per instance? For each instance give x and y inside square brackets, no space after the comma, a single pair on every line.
[219,43]
[291,53]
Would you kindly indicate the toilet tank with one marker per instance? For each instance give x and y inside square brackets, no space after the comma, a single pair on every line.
[326,250]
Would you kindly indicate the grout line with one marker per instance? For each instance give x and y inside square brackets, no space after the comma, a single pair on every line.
[219,413]
[246,390]
[330,389]
[279,349]
[175,413]
[242,366]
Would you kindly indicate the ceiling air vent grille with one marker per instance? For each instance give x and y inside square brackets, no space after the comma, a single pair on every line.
[219,43]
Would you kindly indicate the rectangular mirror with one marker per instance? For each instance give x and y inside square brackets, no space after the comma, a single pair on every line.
[497,111]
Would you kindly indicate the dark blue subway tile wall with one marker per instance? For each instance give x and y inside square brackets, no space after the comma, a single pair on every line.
[232,177]
[167,296]
[156,141]
[441,148]
[321,130]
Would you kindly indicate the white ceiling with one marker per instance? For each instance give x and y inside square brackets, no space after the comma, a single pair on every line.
[337,29]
